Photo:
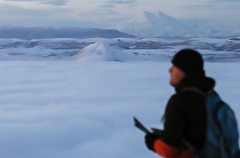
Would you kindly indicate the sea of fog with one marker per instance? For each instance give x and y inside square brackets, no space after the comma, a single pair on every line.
[67,109]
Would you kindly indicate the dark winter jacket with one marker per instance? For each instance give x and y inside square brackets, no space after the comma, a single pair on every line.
[185,114]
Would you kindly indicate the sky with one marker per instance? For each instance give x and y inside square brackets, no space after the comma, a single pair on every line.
[104,12]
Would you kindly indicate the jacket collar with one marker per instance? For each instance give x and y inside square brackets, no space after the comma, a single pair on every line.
[203,83]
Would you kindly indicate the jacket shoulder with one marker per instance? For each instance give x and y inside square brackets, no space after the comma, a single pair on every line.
[184,100]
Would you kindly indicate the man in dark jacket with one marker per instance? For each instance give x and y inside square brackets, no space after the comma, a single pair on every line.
[185,113]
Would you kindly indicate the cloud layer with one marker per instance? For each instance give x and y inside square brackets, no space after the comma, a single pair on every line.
[121,1]
[70,110]
[50,2]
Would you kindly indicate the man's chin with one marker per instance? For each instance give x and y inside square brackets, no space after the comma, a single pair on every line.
[171,84]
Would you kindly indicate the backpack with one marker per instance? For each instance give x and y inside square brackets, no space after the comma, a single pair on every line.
[222,132]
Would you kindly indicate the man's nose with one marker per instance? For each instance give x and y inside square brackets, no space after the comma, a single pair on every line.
[170,69]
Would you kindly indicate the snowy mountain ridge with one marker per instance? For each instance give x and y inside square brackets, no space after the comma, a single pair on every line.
[117,49]
[61,32]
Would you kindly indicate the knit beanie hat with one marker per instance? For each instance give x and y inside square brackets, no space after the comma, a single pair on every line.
[189,61]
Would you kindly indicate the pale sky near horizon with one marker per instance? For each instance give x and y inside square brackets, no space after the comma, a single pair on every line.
[76,12]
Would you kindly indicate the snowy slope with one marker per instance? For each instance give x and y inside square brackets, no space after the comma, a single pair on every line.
[101,51]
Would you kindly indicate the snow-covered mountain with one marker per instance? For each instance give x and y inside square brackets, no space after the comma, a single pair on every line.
[160,24]
[101,51]
[155,24]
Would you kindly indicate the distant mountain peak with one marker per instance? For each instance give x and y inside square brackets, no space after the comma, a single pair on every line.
[148,16]
[154,24]
[157,14]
